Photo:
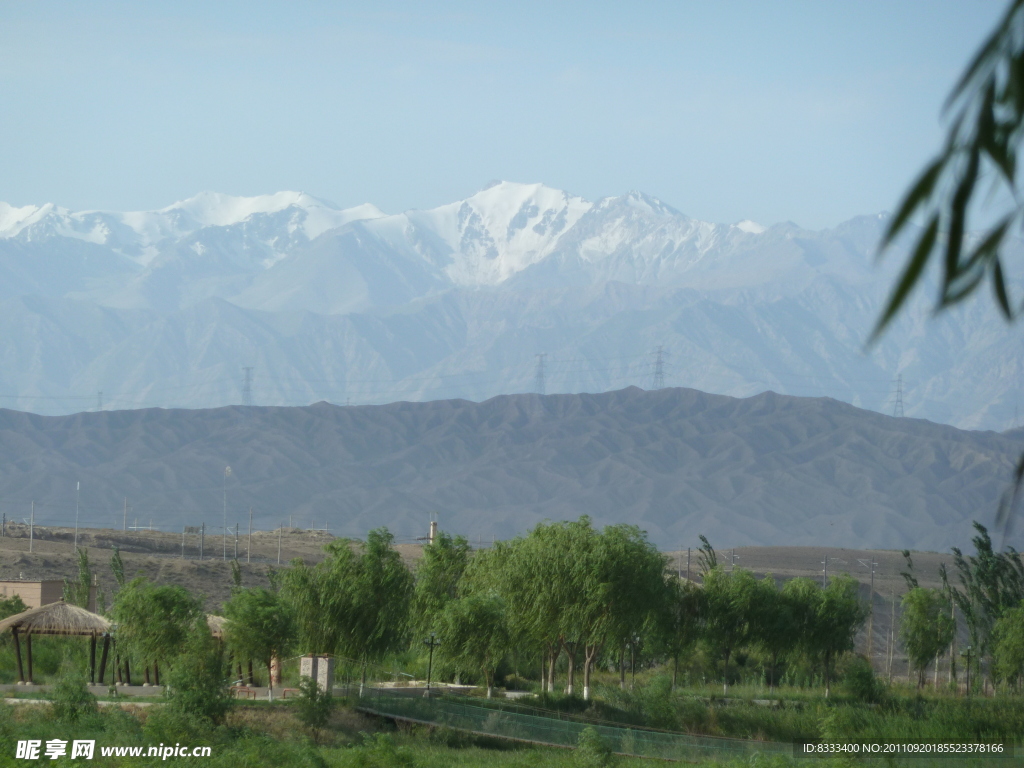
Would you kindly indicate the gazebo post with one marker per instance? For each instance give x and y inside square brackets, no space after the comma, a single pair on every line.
[17,653]
[103,657]
[92,659]
[156,673]
[28,644]
[127,671]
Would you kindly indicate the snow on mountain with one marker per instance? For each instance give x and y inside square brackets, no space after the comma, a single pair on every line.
[456,301]
[140,234]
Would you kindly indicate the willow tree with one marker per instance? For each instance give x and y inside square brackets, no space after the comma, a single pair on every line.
[474,634]
[381,591]
[730,597]
[153,622]
[260,626]
[437,578]
[926,628]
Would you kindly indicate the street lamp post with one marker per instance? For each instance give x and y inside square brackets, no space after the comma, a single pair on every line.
[432,643]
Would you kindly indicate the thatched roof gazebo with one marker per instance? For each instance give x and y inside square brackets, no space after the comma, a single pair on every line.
[58,618]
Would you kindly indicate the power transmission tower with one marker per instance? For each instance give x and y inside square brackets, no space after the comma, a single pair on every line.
[897,410]
[659,368]
[99,400]
[247,386]
[539,382]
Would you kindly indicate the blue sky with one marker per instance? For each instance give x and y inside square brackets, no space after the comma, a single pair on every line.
[805,111]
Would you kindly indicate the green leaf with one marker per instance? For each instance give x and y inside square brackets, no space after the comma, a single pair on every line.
[921,190]
[1000,289]
[910,276]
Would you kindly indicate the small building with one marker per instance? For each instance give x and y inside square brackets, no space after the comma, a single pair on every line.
[35,594]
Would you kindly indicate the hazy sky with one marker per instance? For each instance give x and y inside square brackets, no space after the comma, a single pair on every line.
[806,111]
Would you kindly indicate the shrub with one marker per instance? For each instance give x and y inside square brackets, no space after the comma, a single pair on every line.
[592,751]
[859,681]
[198,682]
[314,705]
[70,698]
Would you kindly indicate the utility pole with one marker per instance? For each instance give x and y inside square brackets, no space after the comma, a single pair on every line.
[183,542]
[99,400]
[687,563]
[824,571]
[124,525]
[3,529]
[202,539]
[892,634]
[78,488]
[431,643]
[897,410]
[967,655]
[870,563]
[659,369]
[31,526]
[539,383]
[227,474]
[236,541]
[248,549]
[280,529]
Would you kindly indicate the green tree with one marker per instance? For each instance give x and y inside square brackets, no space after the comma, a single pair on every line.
[12,605]
[437,578]
[153,622]
[381,597]
[117,567]
[259,626]
[926,628]
[826,620]
[1008,634]
[728,622]
[474,634]
[626,589]
[77,592]
[772,623]
[320,598]
[990,583]
[678,622]
[198,680]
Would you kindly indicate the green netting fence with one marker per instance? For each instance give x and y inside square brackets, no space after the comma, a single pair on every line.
[513,723]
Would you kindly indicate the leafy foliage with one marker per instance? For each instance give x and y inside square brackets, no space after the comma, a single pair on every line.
[314,705]
[198,678]
[71,700]
[983,138]
[154,621]
[991,583]
[117,566]
[926,627]
[437,578]
[260,625]
[474,634]
[77,592]
[1008,635]
[12,605]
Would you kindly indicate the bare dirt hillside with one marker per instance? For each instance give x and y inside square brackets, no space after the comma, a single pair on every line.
[766,470]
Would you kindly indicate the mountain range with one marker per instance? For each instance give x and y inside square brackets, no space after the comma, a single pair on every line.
[769,469]
[519,287]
